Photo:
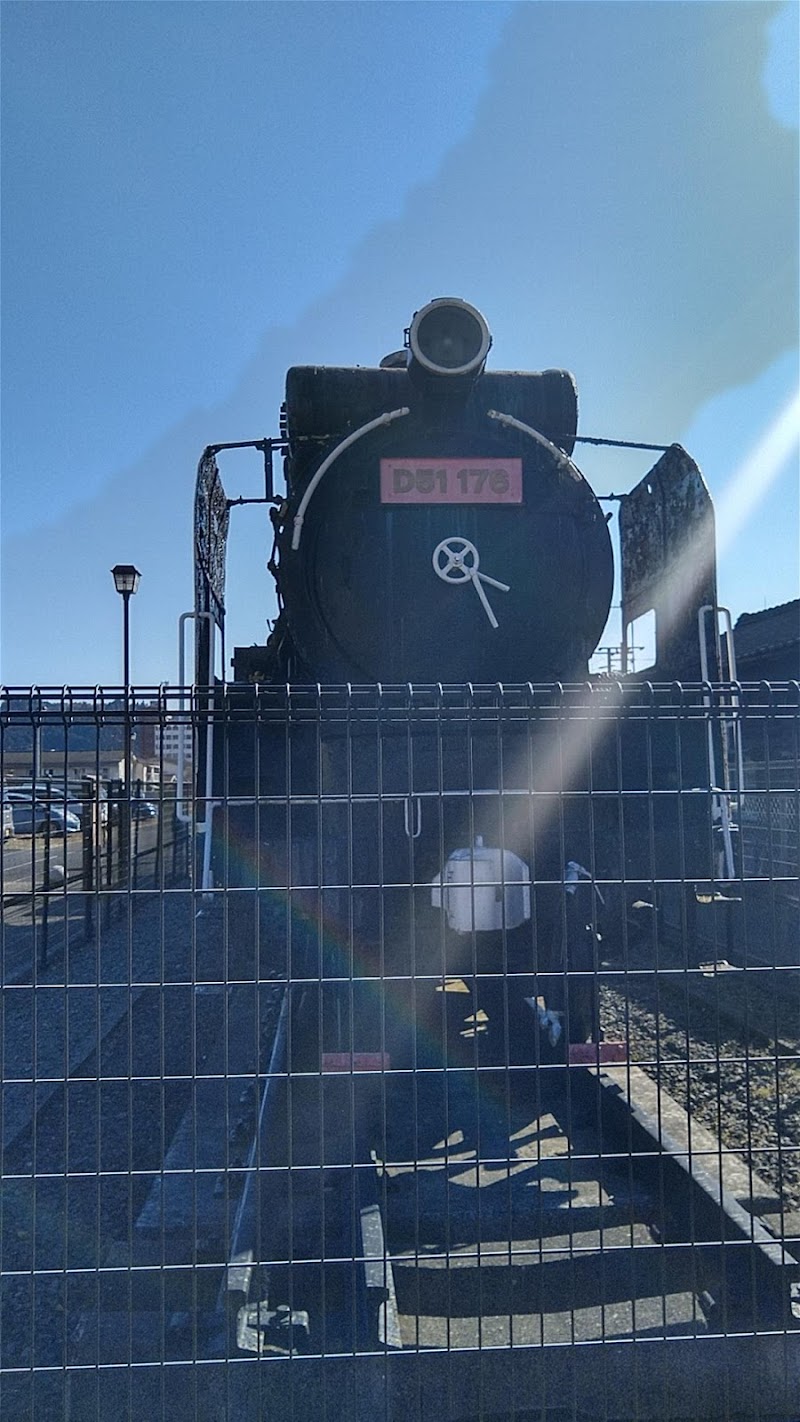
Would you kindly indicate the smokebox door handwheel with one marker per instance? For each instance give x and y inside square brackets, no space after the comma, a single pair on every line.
[456,560]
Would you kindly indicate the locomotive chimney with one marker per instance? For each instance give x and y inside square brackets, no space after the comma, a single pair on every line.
[448,342]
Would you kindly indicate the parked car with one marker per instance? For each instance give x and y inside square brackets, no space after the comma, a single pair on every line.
[31,816]
[143,810]
[71,796]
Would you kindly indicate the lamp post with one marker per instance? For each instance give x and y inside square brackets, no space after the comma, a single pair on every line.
[126,581]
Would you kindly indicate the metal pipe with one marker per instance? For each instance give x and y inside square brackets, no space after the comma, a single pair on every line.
[385,419]
[125,807]
[204,826]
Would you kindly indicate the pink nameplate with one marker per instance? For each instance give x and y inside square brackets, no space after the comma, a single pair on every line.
[596,1053]
[355,1061]
[451,481]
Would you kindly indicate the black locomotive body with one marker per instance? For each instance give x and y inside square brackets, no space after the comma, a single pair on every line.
[435,528]
[435,535]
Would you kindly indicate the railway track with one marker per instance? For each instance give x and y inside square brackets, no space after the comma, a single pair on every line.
[472,1209]
[722,1036]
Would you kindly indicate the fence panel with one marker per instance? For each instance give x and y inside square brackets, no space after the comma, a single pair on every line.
[433,1053]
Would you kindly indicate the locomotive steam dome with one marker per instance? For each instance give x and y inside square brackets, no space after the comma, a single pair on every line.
[435,528]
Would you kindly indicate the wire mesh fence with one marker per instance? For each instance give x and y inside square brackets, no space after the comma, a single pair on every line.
[416,1052]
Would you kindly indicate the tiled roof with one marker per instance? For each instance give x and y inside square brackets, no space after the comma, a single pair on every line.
[765,631]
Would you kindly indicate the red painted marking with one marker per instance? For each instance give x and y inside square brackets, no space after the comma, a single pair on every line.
[355,1061]
[594,1053]
[451,481]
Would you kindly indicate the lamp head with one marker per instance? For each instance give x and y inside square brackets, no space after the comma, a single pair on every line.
[126,578]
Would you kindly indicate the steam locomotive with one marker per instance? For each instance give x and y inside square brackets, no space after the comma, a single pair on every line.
[435,533]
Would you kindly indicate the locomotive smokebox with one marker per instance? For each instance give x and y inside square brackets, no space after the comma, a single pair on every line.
[448,343]
[435,528]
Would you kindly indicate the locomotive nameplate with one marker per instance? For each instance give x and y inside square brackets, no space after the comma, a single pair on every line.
[451,481]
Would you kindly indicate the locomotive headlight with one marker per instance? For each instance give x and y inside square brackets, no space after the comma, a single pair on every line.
[448,337]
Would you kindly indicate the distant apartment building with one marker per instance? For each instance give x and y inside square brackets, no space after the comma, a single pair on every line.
[169,739]
[158,739]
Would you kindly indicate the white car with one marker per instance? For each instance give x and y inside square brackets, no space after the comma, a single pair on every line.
[31,816]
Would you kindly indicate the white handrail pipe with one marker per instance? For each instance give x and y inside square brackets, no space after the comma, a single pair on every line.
[385,419]
[183,817]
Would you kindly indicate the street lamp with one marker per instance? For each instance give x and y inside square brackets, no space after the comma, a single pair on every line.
[126,581]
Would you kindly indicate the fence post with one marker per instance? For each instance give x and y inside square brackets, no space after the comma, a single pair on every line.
[113,810]
[133,875]
[158,867]
[45,936]
[87,854]
[176,828]
[124,831]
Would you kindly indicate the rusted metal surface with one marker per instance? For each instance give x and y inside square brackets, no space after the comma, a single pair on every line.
[668,560]
[211,519]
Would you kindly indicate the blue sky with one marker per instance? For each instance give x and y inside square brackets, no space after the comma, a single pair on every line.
[196,196]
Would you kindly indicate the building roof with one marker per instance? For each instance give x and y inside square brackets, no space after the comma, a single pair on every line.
[766,631]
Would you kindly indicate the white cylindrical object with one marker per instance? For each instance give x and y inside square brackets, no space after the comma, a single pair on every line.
[483,890]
